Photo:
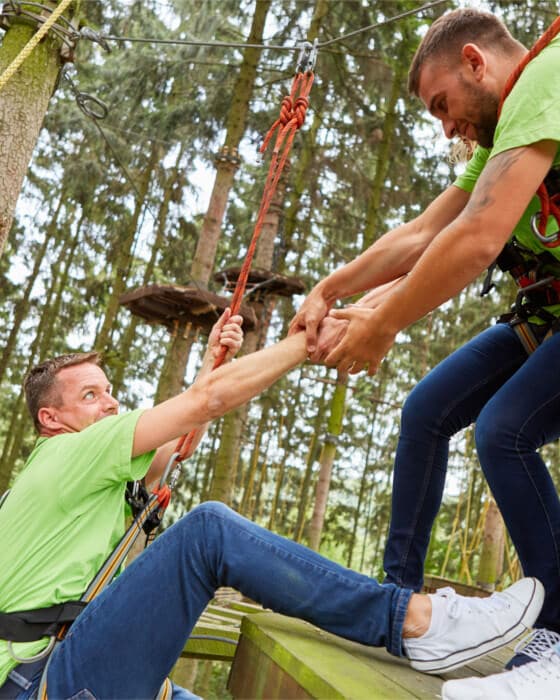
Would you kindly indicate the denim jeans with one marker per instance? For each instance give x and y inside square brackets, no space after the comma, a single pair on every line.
[128,638]
[515,401]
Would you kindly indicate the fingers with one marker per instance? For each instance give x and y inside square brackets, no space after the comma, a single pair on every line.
[311,336]
[346,313]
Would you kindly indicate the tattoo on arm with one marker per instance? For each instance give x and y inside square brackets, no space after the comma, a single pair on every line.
[495,170]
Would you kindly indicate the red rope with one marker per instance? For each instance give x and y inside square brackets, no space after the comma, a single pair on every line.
[549,205]
[292,116]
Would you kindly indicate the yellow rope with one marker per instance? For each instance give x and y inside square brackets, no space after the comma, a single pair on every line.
[32,43]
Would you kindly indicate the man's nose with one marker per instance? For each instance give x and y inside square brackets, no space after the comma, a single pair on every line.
[449,127]
[111,403]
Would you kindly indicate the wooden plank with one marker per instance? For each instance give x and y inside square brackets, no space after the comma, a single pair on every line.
[320,665]
[210,647]
[323,665]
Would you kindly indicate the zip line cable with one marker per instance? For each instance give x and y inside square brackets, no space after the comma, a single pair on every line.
[428,6]
[275,47]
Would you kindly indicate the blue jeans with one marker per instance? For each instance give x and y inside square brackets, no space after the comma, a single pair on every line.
[127,640]
[515,401]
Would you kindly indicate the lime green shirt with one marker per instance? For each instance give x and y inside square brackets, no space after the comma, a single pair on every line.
[530,113]
[63,517]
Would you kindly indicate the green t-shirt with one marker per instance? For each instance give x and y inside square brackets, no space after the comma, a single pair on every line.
[63,517]
[530,113]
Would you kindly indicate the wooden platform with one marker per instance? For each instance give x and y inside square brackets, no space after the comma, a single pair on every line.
[284,658]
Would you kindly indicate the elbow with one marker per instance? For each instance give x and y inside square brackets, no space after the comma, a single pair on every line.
[211,398]
[488,250]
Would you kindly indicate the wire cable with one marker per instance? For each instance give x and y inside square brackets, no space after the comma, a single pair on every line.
[275,47]
[416,11]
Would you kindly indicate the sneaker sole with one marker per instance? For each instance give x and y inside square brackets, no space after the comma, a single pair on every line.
[464,656]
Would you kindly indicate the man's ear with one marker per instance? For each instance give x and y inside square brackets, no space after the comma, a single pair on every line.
[47,418]
[475,60]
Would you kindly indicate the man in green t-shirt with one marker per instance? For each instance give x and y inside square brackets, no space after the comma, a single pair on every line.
[506,379]
[66,511]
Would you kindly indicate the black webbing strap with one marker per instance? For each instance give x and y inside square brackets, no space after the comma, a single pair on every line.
[32,625]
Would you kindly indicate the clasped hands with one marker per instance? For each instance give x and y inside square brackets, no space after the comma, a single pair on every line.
[351,339]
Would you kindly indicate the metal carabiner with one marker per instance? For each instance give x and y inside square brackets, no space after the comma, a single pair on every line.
[31,659]
[547,237]
[168,468]
[92,106]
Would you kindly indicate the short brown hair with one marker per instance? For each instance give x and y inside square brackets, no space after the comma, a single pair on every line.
[40,384]
[450,32]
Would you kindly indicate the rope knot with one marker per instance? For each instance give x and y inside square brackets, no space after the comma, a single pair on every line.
[300,110]
[286,110]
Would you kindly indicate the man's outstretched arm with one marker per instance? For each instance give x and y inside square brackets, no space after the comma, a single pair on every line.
[390,257]
[454,258]
[216,393]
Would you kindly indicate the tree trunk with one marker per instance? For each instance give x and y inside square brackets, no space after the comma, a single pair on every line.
[327,458]
[130,333]
[371,229]
[227,160]
[23,104]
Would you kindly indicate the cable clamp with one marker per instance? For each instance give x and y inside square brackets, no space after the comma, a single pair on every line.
[97,38]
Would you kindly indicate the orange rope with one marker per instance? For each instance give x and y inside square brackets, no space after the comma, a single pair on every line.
[292,116]
[549,205]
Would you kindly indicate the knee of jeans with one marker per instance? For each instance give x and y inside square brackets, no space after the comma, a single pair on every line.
[212,508]
[492,437]
[419,410]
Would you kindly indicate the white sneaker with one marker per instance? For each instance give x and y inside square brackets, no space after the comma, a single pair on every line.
[538,680]
[465,628]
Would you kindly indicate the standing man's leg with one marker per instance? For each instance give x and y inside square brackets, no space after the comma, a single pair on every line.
[522,417]
[448,399]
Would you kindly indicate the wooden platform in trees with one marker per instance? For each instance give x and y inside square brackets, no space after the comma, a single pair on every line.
[168,304]
[262,281]
[283,658]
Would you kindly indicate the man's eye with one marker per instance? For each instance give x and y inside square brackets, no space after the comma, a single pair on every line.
[89,395]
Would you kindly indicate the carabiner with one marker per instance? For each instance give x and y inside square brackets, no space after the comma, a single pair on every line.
[547,238]
[172,460]
[31,659]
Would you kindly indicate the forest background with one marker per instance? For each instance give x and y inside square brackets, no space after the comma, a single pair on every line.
[161,185]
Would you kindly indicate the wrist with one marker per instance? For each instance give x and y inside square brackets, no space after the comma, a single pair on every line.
[328,291]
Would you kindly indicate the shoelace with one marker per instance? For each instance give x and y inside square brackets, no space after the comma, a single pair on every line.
[547,667]
[457,604]
[537,643]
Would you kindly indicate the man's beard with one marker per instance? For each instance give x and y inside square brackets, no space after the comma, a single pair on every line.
[484,108]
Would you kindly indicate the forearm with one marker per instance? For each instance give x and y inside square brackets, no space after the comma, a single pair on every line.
[397,252]
[393,255]
[216,393]
[431,283]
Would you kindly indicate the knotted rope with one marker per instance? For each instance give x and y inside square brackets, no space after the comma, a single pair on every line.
[292,116]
